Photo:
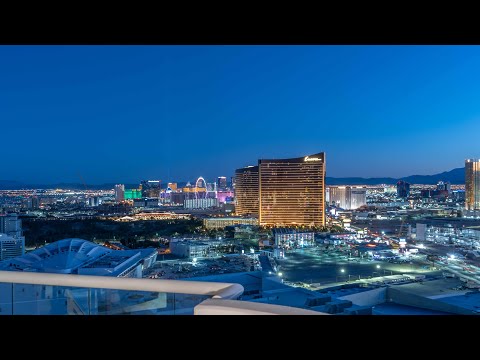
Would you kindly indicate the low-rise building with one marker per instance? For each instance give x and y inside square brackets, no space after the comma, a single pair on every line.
[222,222]
[200,203]
[11,247]
[291,238]
[189,249]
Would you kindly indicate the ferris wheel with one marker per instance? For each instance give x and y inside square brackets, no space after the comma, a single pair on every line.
[200,183]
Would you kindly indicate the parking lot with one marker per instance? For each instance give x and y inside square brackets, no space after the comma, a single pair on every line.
[454,260]
[178,269]
[317,265]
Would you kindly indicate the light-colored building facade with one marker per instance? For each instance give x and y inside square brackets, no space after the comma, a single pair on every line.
[347,197]
[292,191]
[12,242]
[189,249]
[472,184]
[11,225]
[11,247]
[119,193]
[337,195]
[200,203]
[290,238]
[358,197]
[220,223]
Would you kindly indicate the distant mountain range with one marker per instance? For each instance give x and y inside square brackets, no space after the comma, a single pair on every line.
[455,176]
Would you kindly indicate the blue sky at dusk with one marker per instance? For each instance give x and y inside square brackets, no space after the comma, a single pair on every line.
[127,113]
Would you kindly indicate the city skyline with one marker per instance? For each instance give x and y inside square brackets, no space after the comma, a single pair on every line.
[456,174]
[124,113]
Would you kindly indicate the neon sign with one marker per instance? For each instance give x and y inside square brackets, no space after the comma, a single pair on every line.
[311,159]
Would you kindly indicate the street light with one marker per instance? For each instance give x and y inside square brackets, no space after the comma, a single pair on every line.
[336,277]
[280,274]
[378,266]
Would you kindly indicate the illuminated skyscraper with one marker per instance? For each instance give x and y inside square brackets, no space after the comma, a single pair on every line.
[472,184]
[131,194]
[347,197]
[403,189]
[358,197]
[246,191]
[150,188]
[12,243]
[444,186]
[11,225]
[292,191]
[119,193]
[221,183]
[338,196]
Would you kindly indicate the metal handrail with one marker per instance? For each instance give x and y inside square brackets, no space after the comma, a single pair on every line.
[217,290]
[235,307]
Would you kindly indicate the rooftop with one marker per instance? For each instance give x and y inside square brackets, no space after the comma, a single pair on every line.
[433,289]
[61,256]
[281,231]
[392,308]
[71,256]
[469,300]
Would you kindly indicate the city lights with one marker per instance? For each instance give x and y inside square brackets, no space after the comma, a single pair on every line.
[365,236]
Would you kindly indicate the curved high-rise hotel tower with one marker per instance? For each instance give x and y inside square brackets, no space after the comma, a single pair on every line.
[246,191]
[472,184]
[292,191]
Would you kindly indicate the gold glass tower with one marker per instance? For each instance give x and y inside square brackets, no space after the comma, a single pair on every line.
[472,184]
[246,191]
[292,191]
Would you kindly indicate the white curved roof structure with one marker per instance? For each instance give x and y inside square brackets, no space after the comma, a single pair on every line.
[63,256]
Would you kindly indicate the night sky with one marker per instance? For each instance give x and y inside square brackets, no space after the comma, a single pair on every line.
[127,113]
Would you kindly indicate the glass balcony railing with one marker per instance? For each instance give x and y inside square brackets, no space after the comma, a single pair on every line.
[29,299]
[26,293]
[23,293]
